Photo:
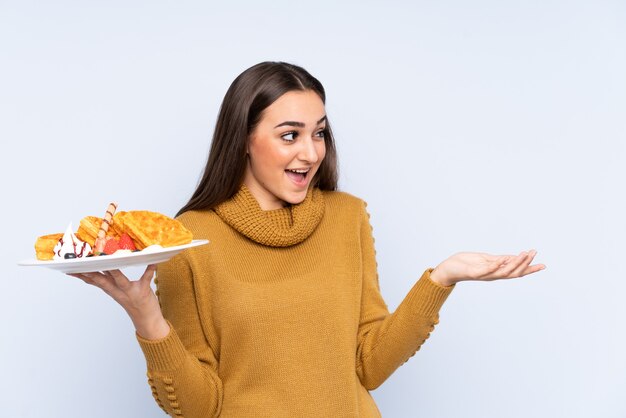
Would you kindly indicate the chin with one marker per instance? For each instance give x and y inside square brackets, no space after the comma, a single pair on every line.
[294,198]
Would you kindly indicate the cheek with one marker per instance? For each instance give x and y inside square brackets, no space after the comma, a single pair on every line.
[321,151]
[266,155]
[282,155]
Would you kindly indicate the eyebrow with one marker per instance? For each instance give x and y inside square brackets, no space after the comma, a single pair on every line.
[298,124]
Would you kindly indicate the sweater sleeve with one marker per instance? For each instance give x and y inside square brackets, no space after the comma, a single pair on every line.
[182,368]
[386,341]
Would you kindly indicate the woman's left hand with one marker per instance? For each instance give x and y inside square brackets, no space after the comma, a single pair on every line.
[484,267]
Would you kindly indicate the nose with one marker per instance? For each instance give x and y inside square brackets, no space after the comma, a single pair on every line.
[308,151]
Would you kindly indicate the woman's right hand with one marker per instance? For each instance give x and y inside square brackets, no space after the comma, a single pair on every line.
[136,297]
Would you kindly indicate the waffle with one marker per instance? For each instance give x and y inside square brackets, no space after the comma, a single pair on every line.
[44,246]
[118,223]
[89,227]
[151,228]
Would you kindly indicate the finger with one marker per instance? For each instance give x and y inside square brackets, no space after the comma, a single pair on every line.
[513,264]
[103,282]
[534,269]
[506,259]
[81,277]
[100,281]
[121,281]
[148,275]
[494,265]
[519,271]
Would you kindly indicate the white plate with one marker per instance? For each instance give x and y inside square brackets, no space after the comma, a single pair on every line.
[113,261]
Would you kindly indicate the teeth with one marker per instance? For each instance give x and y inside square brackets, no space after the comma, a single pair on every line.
[299,171]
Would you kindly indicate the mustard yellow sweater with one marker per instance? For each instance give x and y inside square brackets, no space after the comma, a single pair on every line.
[281,315]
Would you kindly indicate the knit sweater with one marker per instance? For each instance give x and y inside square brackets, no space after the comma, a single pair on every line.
[281,314]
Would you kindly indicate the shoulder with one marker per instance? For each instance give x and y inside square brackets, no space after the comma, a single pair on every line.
[343,201]
[199,222]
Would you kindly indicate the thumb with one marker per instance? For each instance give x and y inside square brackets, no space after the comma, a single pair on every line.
[499,262]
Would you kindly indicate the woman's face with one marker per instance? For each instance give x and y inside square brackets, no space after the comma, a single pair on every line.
[285,149]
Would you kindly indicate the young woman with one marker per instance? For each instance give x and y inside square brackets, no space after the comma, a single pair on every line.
[281,314]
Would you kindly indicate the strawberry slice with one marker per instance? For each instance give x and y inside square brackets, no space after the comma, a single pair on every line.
[111,246]
[126,242]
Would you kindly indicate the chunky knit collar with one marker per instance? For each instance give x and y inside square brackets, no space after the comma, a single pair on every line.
[276,228]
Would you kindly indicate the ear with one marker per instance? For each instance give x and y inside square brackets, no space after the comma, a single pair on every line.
[250,138]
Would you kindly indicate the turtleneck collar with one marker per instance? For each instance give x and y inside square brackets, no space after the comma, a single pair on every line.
[276,228]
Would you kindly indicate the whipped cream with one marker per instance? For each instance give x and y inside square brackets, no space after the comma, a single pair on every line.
[121,252]
[152,248]
[69,244]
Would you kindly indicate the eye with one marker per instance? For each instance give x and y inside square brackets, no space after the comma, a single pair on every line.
[289,136]
[321,134]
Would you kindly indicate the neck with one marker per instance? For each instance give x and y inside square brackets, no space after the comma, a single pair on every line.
[265,199]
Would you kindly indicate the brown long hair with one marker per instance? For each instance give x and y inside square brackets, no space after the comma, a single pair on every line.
[247,97]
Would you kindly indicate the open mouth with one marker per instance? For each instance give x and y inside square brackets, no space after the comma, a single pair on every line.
[297,175]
